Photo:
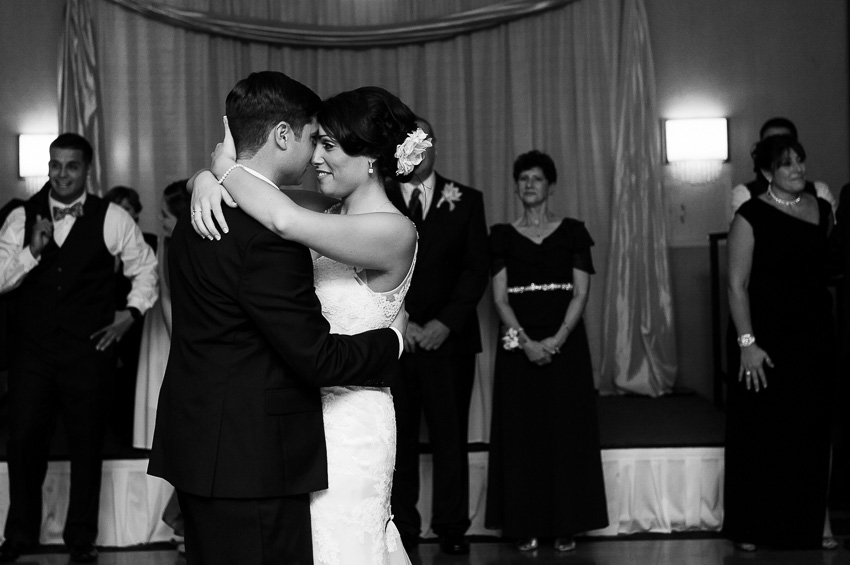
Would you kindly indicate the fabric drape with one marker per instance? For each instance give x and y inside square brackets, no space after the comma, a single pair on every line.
[79,96]
[553,80]
[301,35]
[638,313]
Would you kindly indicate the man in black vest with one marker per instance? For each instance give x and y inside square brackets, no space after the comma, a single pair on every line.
[441,342]
[57,255]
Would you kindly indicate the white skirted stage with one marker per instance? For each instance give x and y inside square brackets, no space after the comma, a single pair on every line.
[662,460]
[649,490]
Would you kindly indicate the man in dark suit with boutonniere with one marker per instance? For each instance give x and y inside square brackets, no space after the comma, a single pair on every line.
[441,342]
[239,429]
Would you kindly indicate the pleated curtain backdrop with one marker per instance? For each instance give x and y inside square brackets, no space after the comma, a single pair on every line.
[572,78]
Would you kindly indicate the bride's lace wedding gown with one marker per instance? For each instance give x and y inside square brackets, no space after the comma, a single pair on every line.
[351,520]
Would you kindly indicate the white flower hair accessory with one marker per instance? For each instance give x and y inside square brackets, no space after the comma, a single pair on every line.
[450,194]
[412,151]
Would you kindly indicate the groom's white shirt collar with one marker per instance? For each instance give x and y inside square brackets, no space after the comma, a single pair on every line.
[262,177]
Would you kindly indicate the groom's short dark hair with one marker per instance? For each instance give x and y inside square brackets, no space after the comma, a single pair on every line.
[261,101]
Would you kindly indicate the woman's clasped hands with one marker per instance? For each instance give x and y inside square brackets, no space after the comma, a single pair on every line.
[540,352]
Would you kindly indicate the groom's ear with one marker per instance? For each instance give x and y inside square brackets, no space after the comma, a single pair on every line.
[279,135]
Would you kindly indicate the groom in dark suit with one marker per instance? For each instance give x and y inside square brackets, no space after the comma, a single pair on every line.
[239,426]
[441,342]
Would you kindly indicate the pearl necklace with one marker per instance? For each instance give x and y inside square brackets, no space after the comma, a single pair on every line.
[781,201]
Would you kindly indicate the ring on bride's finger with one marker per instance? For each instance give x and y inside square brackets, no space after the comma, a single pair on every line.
[748,373]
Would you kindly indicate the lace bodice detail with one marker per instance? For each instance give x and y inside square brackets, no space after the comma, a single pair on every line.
[351,519]
[349,304]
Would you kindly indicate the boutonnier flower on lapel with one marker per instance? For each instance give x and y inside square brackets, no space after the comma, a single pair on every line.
[450,194]
[412,151]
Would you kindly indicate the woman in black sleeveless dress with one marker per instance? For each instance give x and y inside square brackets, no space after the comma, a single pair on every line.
[781,370]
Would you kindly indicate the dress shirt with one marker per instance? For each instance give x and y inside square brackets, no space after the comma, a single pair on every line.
[741,194]
[262,177]
[122,237]
[427,194]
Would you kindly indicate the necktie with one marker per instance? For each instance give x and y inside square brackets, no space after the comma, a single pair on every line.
[415,206]
[76,210]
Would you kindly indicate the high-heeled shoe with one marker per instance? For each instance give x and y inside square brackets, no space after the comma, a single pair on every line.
[527,545]
[744,546]
[565,544]
[829,543]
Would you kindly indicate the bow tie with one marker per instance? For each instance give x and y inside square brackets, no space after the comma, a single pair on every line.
[76,210]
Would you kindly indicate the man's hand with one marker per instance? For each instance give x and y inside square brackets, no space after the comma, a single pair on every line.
[412,336]
[42,231]
[114,331]
[434,333]
[400,321]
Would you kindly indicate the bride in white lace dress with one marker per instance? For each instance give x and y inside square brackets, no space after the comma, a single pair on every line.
[351,519]
[364,255]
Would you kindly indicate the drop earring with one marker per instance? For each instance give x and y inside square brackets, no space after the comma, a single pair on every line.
[370,168]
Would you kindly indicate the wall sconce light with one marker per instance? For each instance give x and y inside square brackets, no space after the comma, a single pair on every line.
[702,139]
[33,156]
[696,148]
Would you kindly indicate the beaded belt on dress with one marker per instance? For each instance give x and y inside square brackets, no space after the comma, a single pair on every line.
[533,287]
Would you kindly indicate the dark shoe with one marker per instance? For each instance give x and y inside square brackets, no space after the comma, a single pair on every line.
[83,553]
[565,544]
[11,550]
[454,545]
[529,544]
[745,546]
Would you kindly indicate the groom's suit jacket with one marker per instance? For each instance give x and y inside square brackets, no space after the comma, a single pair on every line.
[452,266]
[240,413]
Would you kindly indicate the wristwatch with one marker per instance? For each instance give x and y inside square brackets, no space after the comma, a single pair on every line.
[746,340]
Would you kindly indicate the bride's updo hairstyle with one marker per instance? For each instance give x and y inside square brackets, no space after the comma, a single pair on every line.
[372,122]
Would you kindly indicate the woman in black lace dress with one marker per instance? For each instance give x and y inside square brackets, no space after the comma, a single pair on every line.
[781,370]
[545,470]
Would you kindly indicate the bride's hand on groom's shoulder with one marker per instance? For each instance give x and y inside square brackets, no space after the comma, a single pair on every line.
[207,194]
[224,155]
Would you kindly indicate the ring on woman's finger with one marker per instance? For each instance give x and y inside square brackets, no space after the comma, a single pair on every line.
[748,373]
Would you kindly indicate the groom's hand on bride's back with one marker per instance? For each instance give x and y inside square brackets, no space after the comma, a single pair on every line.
[400,322]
